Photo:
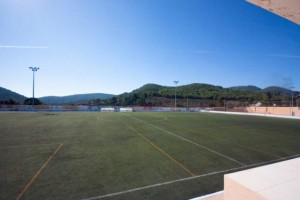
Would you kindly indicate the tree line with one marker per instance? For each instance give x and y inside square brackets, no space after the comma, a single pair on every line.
[187,95]
[198,95]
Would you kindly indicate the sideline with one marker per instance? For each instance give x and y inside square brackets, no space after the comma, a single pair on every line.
[193,177]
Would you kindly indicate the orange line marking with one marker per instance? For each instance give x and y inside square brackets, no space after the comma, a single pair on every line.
[38,173]
[162,151]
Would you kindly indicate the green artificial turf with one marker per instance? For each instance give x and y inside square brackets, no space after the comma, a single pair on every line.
[161,155]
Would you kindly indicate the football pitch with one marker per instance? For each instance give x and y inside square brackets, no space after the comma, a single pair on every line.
[93,155]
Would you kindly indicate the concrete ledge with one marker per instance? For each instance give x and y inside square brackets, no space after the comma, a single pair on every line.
[273,182]
[270,182]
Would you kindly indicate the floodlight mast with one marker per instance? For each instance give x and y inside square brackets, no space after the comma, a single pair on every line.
[292,104]
[176,82]
[33,69]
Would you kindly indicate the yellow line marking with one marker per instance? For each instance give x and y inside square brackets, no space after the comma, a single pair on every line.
[30,145]
[159,149]
[38,173]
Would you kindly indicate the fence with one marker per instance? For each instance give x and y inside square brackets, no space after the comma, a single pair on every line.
[194,106]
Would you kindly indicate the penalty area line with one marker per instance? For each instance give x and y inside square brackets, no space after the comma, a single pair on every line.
[193,177]
[38,173]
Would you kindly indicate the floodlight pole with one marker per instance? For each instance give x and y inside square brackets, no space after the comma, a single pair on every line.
[33,69]
[292,104]
[176,82]
[225,101]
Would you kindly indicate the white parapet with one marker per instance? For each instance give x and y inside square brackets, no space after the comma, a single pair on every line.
[277,181]
[272,182]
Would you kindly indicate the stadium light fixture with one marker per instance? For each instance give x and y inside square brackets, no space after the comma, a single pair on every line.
[33,69]
[176,82]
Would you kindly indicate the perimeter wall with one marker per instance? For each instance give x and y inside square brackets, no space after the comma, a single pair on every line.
[273,110]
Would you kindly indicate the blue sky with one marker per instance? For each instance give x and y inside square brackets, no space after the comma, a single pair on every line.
[116,46]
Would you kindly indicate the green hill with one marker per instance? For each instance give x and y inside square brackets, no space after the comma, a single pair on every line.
[157,95]
[10,97]
[74,99]
[278,91]
[149,87]
[246,88]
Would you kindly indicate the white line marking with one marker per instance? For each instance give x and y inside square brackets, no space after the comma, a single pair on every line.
[194,143]
[160,184]
[159,149]
[191,178]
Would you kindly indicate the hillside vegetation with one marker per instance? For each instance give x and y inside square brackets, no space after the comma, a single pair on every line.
[75,99]
[157,95]
[10,97]
[196,94]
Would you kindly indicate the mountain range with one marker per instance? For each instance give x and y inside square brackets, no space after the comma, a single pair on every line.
[203,94]
[75,99]
[8,95]
[148,92]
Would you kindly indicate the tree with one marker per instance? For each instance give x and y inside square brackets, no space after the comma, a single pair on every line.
[9,102]
[28,101]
